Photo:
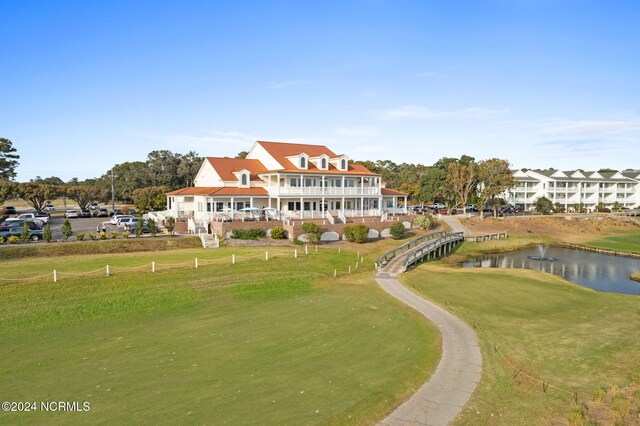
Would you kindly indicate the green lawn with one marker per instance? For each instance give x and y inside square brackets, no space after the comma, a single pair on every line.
[573,337]
[629,243]
[258,342]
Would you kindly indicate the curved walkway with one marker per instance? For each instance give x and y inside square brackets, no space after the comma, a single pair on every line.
[442,397]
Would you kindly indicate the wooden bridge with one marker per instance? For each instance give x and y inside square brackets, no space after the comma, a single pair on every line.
[430,246]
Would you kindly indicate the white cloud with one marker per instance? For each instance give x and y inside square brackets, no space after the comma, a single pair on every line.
[592,127]
[414,111]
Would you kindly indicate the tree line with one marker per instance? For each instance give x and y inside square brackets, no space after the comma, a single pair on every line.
[454,182]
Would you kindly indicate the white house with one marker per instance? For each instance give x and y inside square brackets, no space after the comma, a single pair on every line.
[575,188]
[284,180]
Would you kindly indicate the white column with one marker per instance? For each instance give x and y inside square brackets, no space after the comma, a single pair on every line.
[361,206]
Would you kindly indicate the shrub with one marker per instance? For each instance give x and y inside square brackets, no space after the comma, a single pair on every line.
[360,233]
[92,235]
[13,239]
[544,205]
[80,236]
[248,234]
[26,232]
[348,233]
[278,233]
[170,224]
[103,235]
[397,230]
[576,416]
[46,233]
[313,230]
[66,230]
[114,234]
[153,227]
[425,221]
[1,239]
[125,234]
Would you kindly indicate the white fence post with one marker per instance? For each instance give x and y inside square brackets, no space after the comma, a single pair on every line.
[266,255]
[55,276]
[108,270]
[306,249]
[349,268]
[335,273]
[233,259]
[153,266]
[196,263]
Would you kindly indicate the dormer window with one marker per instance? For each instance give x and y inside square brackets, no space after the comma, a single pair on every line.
[303,163]
[244,179]
[343,164]
[323,164]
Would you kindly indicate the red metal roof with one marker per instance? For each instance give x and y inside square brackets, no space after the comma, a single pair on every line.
[387,191]
[226,166]
[281,150]
[219,191]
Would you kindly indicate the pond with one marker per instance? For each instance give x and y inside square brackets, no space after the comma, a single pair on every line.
[594,270]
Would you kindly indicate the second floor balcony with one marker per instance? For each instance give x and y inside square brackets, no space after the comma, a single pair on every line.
[326,191]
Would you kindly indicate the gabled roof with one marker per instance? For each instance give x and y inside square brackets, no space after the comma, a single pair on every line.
[225,167]
[281,150]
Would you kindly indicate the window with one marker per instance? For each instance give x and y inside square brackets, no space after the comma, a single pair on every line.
[244,179]
[323,163]
[293,205]
[303,163]
[209,206]
[309,182]
[390,203]
[240,205]
[343,164]
[350,183]
[219,206]
[294,181]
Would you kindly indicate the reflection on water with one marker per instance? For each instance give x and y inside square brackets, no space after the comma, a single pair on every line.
[597,271]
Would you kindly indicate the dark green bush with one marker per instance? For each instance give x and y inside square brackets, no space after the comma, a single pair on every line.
[248,234]
[348,233]
[360,233]
[313,230]
[397,230]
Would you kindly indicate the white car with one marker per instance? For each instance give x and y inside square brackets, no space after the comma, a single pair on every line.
[115,219]
[71,214]
[42,217]
[126,220]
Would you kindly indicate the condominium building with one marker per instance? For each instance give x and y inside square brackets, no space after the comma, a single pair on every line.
[576,188]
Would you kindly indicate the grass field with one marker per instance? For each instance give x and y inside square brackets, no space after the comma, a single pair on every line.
[628,242]
[259,342]
[573,337]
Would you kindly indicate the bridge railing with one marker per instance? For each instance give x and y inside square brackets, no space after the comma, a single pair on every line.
[386,258]
[431,247]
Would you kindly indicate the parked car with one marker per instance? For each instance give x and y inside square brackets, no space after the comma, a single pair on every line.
[94,206]
[39,216]
[101,212]
[115,212]
[19,224]
[124,220]
[10,210]
[34,234]
[85,213]
[131,227]
[71,214]
[49,208]
[471,208]
[116,217]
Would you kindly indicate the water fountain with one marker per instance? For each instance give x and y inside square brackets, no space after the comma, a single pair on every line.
[542,250]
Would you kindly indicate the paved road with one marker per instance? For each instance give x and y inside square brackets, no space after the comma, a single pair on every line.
[443,396]
[455,225]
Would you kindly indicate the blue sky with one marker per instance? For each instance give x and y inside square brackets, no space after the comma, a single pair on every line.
[88,84]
